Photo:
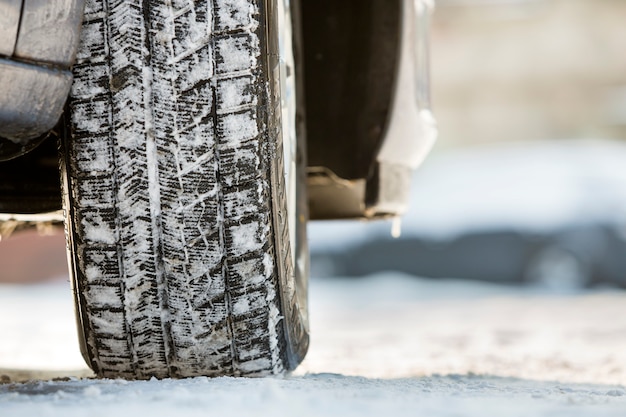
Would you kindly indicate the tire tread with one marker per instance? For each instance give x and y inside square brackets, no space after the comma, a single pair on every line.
[170,191]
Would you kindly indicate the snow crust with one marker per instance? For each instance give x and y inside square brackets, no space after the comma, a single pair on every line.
[314,395]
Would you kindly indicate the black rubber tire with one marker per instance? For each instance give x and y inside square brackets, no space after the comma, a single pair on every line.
[174,193]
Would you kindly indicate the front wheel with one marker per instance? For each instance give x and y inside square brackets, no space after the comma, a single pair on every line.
[178,212]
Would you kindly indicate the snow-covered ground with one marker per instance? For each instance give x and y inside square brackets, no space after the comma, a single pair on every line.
[383,345]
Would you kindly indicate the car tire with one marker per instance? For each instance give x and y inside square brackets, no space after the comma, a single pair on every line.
[176,206]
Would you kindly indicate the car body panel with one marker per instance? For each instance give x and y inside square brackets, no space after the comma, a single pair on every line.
[40,41]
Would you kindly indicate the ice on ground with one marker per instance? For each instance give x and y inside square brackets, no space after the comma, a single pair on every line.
[385,345]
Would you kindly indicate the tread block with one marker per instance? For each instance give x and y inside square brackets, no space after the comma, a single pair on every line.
[105,296]
[92,39]
[244,201]
[253,271]
[191,68]
[92,7]
[100,263]
[235,53]
[108,323]
[236,92]
[192,28]
[97,226]
[233,14]
[92,155]
[247,300]
[94,192]
[237,128]
[92,114]
[244,238]
[197,99]
[85,87]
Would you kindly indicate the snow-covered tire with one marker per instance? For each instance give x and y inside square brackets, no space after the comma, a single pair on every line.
[177,219]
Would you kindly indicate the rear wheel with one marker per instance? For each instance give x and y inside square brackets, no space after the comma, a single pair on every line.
[176,194]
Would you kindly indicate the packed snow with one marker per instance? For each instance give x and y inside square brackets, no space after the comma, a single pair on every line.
[383,345]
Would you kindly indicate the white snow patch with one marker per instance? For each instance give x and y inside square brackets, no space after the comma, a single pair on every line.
[246,237]
[235,53]
[99,232]
[233,14]
[236,92]
[241,307]
[93,273]
[239,127]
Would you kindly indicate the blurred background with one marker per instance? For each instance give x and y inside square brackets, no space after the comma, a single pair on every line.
[527,183]
[519,70]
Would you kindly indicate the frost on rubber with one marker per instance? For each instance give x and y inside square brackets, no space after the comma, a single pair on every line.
[174,193]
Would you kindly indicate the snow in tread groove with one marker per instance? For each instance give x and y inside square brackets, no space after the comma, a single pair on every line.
[182,61]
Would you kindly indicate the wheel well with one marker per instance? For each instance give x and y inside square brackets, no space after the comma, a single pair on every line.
[350,58]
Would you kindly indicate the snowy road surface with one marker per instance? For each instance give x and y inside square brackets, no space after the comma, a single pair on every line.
[382,346]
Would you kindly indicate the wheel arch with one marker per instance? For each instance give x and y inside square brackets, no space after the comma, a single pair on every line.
[367,104]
